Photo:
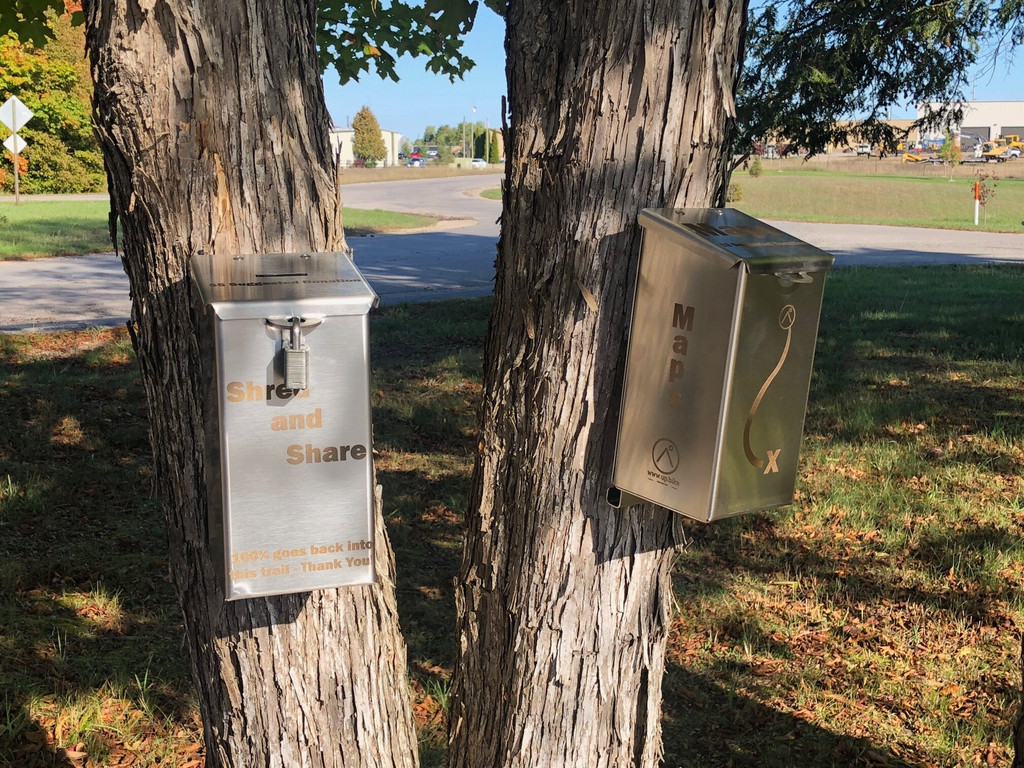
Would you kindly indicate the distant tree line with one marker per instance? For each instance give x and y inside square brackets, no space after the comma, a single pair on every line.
[477,139]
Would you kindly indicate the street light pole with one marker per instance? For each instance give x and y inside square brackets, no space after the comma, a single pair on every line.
[472,134]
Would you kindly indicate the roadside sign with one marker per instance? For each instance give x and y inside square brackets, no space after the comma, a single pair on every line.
[14,114]
[15,144]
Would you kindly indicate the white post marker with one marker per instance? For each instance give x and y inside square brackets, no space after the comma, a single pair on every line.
[15,144]
[14,114]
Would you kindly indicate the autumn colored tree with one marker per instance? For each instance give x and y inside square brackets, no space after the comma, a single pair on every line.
[950,152]
[53,81]
[368,142]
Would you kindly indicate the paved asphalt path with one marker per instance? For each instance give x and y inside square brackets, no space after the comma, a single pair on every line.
[455,259]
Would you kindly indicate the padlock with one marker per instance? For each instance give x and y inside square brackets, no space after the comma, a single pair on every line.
[296,358]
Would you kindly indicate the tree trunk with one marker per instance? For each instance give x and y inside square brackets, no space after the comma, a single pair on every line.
[214,132]
[1018,728]
[564,602]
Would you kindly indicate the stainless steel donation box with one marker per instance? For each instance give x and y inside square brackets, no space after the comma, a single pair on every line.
[725,317]
[286,366]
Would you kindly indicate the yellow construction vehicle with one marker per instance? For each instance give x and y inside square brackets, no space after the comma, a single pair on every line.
[1014,144]
[997,150]
[993,151]
[913,157]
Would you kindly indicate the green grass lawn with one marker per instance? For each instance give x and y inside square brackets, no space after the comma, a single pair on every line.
[874,622]
[53,228]
[38,229]
[903,201]
[813,193]
[359,221]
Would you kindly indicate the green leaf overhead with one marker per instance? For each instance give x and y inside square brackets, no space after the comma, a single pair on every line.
[812,66]
[366,35]
[353,36]
[27,19]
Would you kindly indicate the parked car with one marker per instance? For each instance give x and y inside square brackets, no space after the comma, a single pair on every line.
[1015,145]
[478,162]
[416,162]
[863,149]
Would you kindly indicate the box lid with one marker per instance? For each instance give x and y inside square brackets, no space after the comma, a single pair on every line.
[738,238]
[239,286]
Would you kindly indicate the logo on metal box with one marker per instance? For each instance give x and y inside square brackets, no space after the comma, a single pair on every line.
[665,455]
[787,317]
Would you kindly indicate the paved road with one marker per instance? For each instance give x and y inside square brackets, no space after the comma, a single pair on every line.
[871,245]
[455,260]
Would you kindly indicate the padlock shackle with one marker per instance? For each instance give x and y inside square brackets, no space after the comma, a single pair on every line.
[284,323]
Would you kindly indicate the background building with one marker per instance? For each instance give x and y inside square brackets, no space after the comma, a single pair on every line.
[913,137]
[988,119]
[341,142]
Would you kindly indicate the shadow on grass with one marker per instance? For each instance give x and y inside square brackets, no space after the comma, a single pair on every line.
[424,520]
[426,389]
[76,522]
[89,633]
[926,361]
[881,331]
[954,562]
[710,725]
[86,677]
[908,516]
[907,319]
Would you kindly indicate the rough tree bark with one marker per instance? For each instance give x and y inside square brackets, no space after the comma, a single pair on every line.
[214,131]
[563,606]
[1018,728]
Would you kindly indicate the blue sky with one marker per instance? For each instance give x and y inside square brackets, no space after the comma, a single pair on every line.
[421,98]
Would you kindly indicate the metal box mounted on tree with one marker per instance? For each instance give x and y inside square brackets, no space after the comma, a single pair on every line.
[725,318]
[285,352]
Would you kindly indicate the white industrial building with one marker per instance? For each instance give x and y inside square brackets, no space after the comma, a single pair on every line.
[341,146]
[988,119]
